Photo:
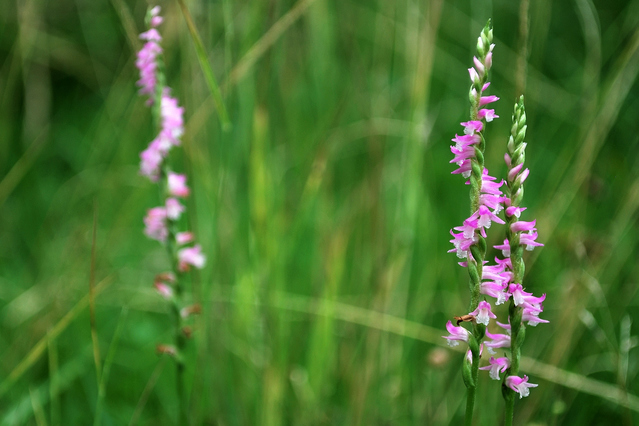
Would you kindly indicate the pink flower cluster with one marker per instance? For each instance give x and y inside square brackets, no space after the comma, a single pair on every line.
[498,280]
[147,57]
[159,221]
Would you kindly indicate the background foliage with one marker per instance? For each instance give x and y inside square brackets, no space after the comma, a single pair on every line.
[324,211]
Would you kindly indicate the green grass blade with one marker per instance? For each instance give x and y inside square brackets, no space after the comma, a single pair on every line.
[206,68]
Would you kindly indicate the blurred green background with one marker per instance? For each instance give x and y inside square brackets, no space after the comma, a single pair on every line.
[324,212]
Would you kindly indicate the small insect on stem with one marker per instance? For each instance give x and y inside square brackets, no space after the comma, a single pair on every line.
[465,318]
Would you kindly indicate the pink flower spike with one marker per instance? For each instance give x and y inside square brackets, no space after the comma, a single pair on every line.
[183,238]
[520,225]
[176,184]
[471,127]
[191,256]
[155,224]
[484,100]
[519,385]
[457,334]
[497,365]
[483,313]
[173,208]
[487,114]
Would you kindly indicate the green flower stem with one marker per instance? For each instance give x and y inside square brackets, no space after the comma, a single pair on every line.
[509,410]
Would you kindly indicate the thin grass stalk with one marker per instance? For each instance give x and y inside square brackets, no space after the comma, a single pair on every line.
[94,330]
[36,404]
[209,76]
[147,391]
[39,348]
[106,369]
[52,351]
